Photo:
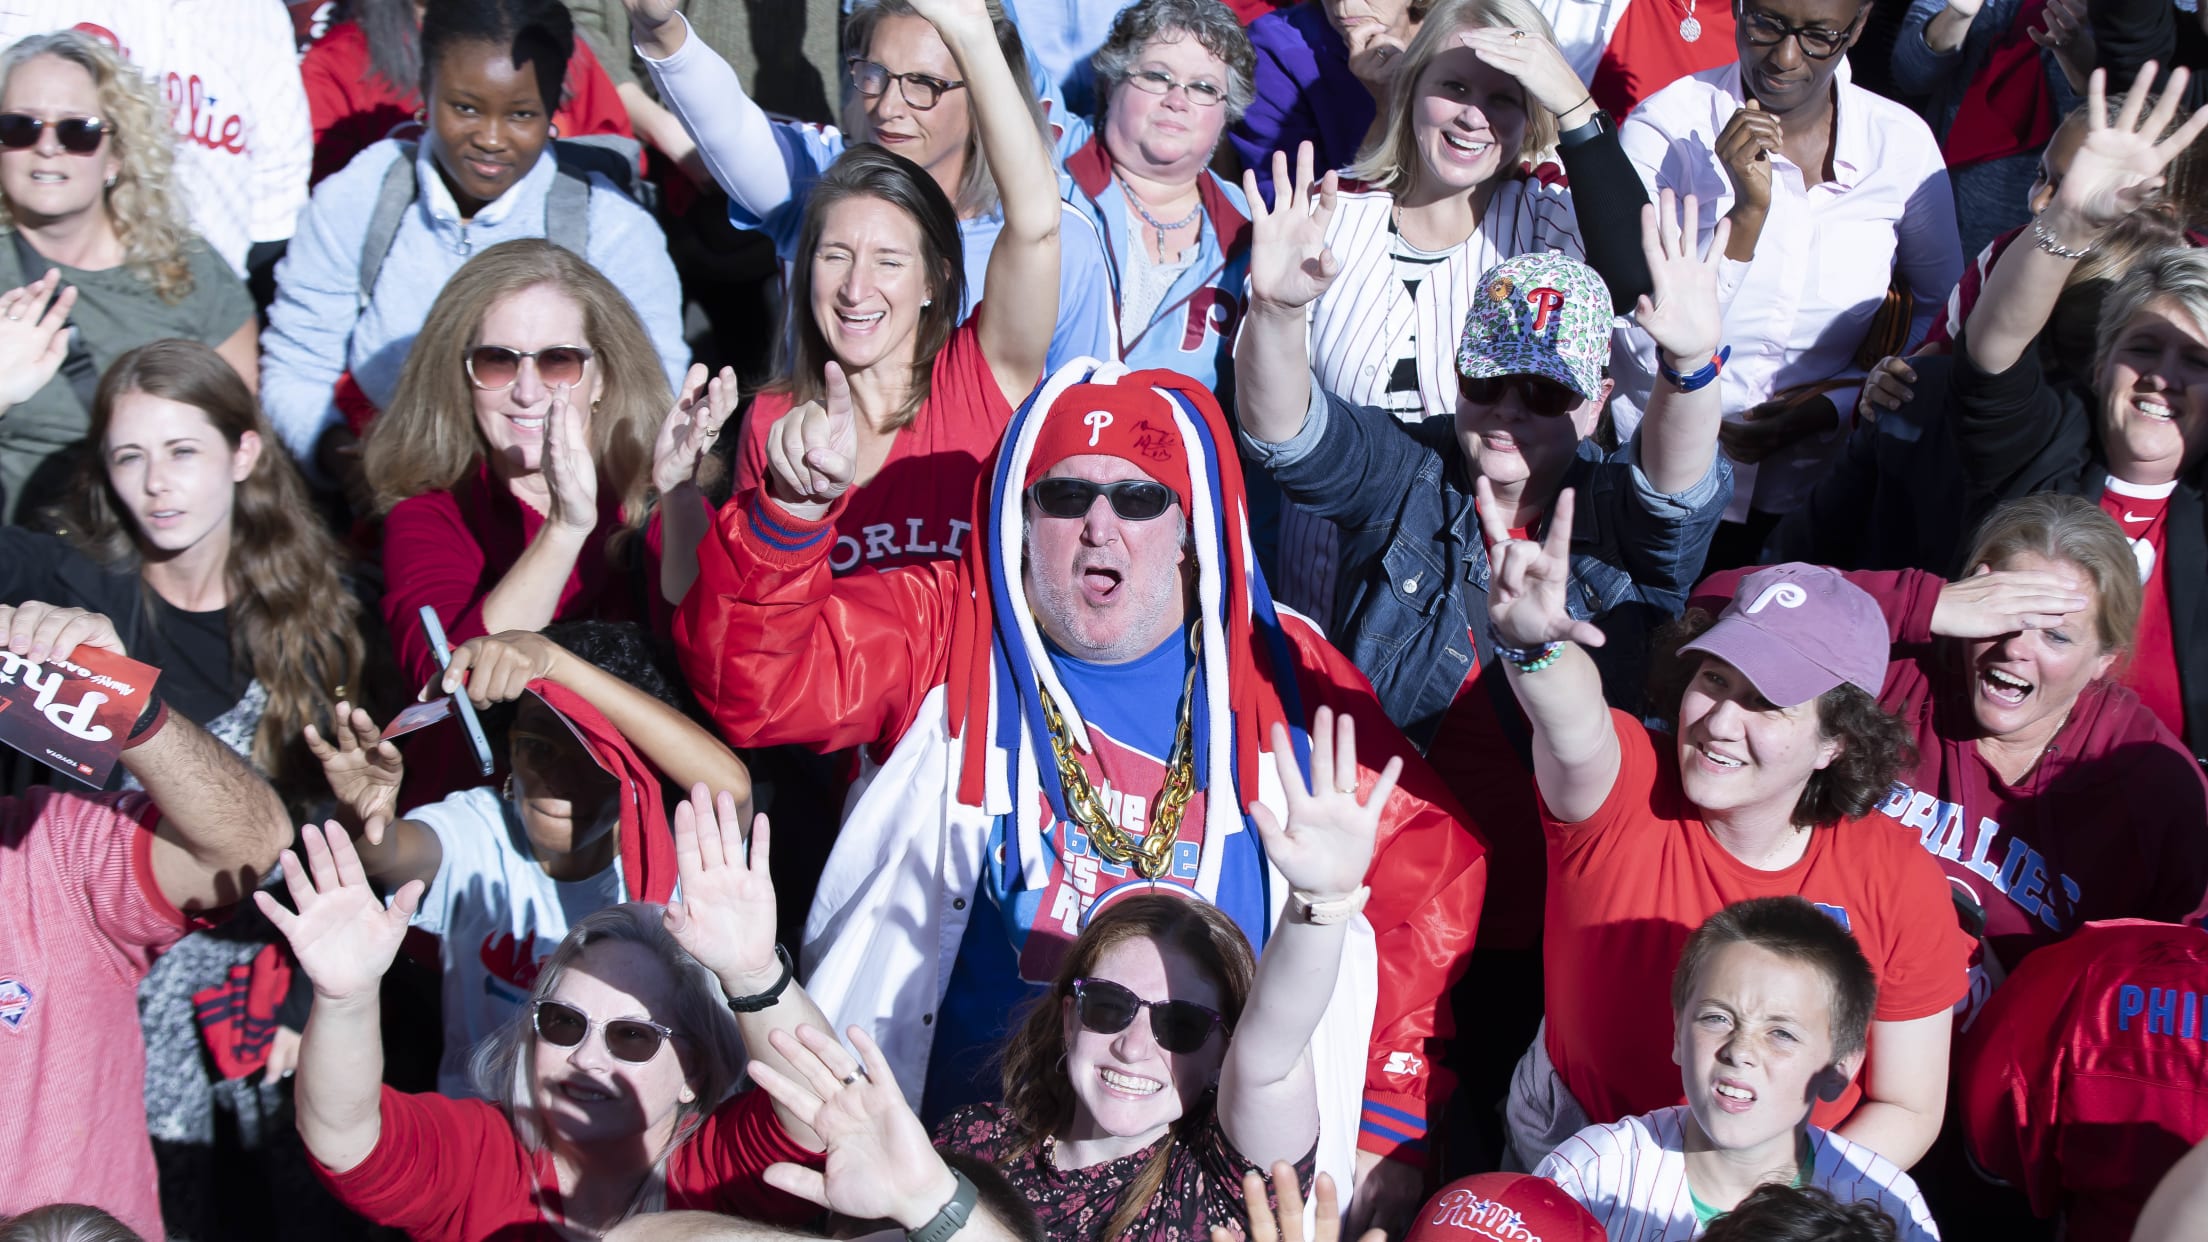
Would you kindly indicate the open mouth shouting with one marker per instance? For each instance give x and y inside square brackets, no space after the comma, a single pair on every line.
[1100,584]
[1465,149]
[2003,687]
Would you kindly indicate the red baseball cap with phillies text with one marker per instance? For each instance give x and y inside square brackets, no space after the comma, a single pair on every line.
[1128,421]
[1504,1207]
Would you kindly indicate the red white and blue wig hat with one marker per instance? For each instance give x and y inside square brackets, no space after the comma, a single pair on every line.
[997,658]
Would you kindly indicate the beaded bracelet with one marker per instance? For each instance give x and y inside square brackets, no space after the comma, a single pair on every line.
[1550,654]
[1699,379]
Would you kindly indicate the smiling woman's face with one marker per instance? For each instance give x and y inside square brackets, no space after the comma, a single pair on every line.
[488,122]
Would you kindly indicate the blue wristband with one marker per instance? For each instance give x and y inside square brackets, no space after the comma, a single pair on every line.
[1699,379]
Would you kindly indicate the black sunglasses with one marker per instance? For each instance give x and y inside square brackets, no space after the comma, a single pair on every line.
[79,135]
[1135,500]
[629,1039]
[1545,397]
[1768,30]
[1178,1026]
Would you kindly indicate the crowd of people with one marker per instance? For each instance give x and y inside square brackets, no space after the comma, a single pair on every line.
[1167,619]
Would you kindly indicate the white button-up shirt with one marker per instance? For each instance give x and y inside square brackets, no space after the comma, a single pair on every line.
[1799,310]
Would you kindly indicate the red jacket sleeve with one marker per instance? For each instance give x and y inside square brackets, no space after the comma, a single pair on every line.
[1428,879]
[2012,1070]
[719,1169]
[779,651]
[430,557]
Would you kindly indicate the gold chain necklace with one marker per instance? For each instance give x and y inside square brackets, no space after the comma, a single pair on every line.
[1153,853]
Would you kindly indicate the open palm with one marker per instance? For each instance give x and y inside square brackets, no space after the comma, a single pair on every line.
[687,434]
[364,771]
[1681,312]
[2119,165]
[343,937]
[726,916]
[880,1163]
[1326,845]
[1290,263]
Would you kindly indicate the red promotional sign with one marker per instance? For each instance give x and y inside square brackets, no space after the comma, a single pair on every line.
[73,713]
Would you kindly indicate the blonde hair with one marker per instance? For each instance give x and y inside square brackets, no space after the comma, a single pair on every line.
[143,205]
[1390,160]
[2073,530]
[66,1222]
[428,441]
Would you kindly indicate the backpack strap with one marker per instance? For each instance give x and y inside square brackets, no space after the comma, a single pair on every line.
[567,212]
[392,201]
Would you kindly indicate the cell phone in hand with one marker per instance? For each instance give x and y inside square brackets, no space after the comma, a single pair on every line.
[435,631]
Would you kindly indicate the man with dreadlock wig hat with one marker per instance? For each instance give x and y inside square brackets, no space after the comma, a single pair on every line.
[1089,697]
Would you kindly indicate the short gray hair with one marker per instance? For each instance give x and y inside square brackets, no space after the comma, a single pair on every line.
[505,1062]
[66,1222]
[1210,23]
[2179,274]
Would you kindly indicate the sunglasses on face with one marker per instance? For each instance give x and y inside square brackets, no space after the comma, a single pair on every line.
[1545,397]
[921,91]
[628,1039]
[79,135]
[1178,1026]
[493,367]
[1134,500]
[1766,30]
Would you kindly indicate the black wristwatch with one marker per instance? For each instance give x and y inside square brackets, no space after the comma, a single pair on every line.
[952,1217]
[766,1000]
[1595,127]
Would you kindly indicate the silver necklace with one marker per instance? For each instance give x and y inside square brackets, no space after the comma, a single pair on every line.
[1160,225]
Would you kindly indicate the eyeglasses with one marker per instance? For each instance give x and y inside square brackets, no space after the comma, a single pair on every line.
[1178,1026]
[1766,30]
[79,135]
[1159,82]
[1135,500]
[1545,397]
[628,1039]
[919,90]
[493,367]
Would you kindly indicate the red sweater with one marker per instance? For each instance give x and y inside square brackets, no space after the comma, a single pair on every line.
[447,1170]
[2086,1077]
[353,108]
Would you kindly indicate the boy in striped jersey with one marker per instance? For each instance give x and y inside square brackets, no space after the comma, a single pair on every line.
[1771,1012]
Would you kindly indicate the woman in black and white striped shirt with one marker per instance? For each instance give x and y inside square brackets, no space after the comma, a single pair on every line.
[1446,190]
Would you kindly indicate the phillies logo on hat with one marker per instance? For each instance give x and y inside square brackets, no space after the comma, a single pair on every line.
[1096,421]
[1784,594]
[15,1003]
[1545,302]
[1488,1218]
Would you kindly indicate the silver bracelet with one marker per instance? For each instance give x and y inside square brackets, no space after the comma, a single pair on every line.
[2045,239]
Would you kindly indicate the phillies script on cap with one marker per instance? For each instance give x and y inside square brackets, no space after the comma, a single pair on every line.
[73,714]
[1504,1207]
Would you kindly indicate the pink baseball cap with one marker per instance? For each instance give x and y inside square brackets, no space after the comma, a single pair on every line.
[1504,1207]
[1797,630]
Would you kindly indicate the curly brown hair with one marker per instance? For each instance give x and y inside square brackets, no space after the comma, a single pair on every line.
[1036,1090]
[1874,746]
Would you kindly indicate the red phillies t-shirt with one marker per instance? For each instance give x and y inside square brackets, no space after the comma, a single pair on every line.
[2087,1076]
[920,505]
[2152,670]
[447,1170]
[81,920]
[1629,884]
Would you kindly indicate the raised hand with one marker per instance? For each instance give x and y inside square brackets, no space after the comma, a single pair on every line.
[813,451]
[39,632]
[1777,425]
[1326,846]
[1374,53]
[1289,1225]
[1992,602]
[651,12]
[364,771]
[570,476]
[2066,31]
[1681,313]
[1527,580]
[497,668]
[1744,147]
[2118,167]
[343,937]
[1290,262]
[690,428]
[726,916]
[33,338]
[880,1164]
[1535,61]
[956,16]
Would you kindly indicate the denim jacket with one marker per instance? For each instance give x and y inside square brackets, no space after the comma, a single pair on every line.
[1411,600]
